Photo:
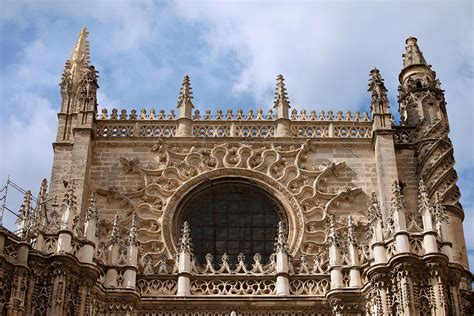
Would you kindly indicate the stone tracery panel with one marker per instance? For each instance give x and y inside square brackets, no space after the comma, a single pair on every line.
[308,189]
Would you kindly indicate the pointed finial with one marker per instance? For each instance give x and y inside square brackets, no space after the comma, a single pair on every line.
[185,95]
[379,101]
[114,234]
[280,243]
[185,240]
[133,234]
[423,199]
[281,97]
[397,198]
[69,197]
[413,55]
[26,206]
[374,213]
[439,212]
[351,235]
[92,209]
[80,53]
[333,237]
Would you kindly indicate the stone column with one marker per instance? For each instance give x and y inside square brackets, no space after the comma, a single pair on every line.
[281,260]
[335,266]
[132,255]
[111,275]
[355,280]
[184,262]
[399,218]
[87,251]
[68,212]
[377,244]
[441,219]
[429,235]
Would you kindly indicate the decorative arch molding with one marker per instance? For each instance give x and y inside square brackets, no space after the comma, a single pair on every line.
[293,209]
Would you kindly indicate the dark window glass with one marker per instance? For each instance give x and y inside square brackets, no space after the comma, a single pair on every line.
[232,217]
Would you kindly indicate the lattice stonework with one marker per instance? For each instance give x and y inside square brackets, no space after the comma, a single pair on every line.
[273,211]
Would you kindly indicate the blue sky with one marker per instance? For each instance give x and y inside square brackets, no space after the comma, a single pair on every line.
[232,52]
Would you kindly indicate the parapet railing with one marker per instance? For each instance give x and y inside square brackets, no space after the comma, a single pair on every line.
[250,125]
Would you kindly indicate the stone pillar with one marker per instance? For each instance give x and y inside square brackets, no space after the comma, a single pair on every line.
[19,285]
[130,275]
[90,228]
[441,219]
[281,260]
[429,235]
[111,275]
[184,262]
[68,213]
[354,280]
[399,218]
[335,266]
[377,244]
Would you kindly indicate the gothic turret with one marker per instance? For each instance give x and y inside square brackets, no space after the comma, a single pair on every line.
[422,106]
[76,123]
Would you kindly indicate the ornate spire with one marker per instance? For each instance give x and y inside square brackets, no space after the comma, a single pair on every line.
[374,213]
[280,243]
[351,235]
[423,200]
[81,53]
[379,101]
[281,97]
[185,244]
[133,234]
[413,55]
[185,95]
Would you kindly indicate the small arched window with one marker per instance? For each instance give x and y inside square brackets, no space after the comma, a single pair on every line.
[231,216]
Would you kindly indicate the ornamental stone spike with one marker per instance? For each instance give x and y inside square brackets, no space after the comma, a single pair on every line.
[114,234]
[379,102]
[424,204]
[92,208]
[185,104]
[351,235]
[429,237]
[185,244]
[23,221]
[133,234]
[374,212]
[281,103]
[413,54]
[80,56]
[281,244]
[91,220]
[399,218]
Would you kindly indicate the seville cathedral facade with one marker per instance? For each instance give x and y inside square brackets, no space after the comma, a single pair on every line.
[282,212]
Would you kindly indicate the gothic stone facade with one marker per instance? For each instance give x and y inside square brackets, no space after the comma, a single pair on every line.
[371,222]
